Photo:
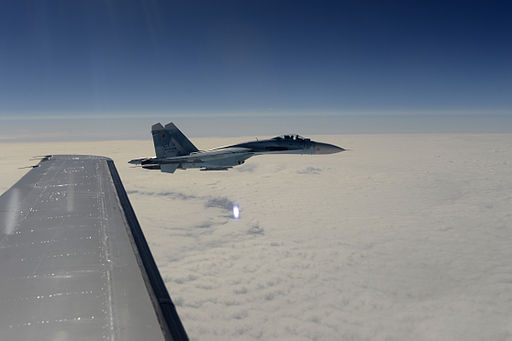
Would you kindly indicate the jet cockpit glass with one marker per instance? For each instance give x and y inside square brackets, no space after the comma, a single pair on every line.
[289,137]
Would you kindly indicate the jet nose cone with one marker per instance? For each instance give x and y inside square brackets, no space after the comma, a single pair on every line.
[325,148]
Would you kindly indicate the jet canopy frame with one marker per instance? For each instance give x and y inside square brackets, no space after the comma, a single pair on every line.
[291,137]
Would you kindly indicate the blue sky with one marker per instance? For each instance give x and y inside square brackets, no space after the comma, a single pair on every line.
[257,59]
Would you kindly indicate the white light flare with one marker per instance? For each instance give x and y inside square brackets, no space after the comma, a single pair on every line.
[236,211]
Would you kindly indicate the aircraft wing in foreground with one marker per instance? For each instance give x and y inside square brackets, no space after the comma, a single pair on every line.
[74,263]
[174,150]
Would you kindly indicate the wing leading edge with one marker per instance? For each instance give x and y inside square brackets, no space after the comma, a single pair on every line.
[74,263]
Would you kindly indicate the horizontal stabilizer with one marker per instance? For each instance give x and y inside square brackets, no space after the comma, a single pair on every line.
[137,161]
[168,167]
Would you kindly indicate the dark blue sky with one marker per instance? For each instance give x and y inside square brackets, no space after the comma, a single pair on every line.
[108,56]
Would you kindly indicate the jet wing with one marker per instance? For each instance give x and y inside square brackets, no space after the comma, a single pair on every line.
[74,263]
[208,155]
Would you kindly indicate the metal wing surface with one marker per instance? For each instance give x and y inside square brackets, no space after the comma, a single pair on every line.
[74,263]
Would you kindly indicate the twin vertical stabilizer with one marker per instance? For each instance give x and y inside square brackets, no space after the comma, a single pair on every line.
[169,141]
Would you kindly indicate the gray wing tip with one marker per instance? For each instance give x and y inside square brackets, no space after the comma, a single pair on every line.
[157,126]
[170,125]
[78,157]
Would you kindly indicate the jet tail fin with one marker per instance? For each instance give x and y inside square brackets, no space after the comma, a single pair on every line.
[169,141]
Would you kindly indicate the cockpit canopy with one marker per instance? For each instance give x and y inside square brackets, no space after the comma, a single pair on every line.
[291,137]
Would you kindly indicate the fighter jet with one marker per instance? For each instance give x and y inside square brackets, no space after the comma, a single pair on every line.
[174,150]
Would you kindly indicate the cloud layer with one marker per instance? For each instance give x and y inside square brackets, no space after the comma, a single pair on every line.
[405,237]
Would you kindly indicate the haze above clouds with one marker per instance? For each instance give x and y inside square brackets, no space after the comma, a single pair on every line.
[403,237]
[133,126]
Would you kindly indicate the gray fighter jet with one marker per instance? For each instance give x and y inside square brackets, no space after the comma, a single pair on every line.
[174,150]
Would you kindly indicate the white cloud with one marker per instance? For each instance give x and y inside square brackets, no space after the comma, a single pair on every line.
[405,237]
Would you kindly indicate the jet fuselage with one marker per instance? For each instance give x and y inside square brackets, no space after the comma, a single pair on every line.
[175,151]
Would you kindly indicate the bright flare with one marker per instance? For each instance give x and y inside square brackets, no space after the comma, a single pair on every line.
[236,211]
